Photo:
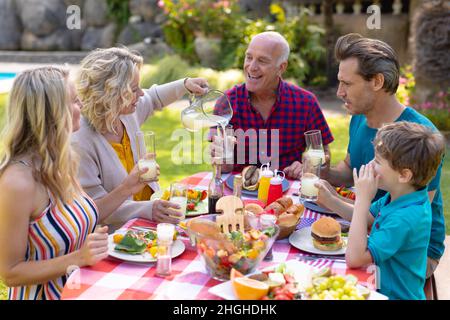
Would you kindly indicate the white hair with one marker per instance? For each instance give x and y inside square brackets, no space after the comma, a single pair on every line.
[279,39]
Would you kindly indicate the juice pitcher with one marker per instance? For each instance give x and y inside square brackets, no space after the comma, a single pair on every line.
[209,110]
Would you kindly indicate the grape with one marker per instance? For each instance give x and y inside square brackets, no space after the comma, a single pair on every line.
[310,291]
[336,285]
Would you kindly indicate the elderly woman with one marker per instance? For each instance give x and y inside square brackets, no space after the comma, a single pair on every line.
[114,108]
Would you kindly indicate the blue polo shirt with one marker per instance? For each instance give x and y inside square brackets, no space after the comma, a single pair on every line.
[361,151]
[398,243]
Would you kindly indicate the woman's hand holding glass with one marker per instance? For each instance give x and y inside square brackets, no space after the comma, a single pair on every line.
[165,211]
[133,183]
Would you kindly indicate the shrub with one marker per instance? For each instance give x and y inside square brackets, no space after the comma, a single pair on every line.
[119,12]
[167,69]
[307,58]
[172,68]
[438,110]
[188,18]
[407,86]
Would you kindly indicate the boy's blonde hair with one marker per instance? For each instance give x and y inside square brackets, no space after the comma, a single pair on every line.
[104,85]
[39,123]
[407,145]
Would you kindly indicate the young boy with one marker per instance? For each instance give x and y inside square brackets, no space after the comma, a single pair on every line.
[407,156]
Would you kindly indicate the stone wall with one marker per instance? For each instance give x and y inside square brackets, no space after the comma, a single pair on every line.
[37,25]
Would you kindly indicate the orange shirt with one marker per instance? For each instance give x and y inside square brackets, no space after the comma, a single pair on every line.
[125,154]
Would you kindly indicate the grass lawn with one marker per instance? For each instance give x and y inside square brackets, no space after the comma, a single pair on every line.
[170,118]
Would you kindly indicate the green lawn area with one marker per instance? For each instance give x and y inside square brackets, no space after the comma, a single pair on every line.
[170,118]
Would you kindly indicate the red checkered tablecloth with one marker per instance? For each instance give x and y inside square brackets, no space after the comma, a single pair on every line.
[114,279]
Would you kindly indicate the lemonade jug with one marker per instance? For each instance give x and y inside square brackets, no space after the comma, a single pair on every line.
[202,113]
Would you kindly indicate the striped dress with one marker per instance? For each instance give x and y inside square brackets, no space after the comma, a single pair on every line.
[59,230]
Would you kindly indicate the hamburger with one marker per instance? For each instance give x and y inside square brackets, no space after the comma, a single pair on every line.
[326,234]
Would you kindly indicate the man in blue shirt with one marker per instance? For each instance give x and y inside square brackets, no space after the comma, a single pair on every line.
[368,80]
[407,156]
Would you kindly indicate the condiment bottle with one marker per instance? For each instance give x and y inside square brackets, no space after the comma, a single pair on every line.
[215,188]
[266,221]
[275,188]
[165,233]
[264,183]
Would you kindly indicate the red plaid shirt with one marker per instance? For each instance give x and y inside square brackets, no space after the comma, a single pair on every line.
[295,111]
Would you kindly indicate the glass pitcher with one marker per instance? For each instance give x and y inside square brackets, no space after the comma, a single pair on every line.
[202,113]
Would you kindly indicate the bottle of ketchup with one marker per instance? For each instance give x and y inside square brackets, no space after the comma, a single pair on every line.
[276,187]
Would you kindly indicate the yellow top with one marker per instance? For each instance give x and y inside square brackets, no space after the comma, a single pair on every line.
[125,155]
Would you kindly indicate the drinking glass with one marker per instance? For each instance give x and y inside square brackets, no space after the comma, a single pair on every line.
[226,139]
[147,155]
[310,175]
[314,147]
[178,195]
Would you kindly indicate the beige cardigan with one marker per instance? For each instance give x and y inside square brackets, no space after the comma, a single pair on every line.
[100,168]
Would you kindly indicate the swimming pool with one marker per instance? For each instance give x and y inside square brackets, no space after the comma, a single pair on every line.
[7,75]
[6,80]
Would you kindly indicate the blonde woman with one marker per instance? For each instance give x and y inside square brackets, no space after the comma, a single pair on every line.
[114,108]
[46,222]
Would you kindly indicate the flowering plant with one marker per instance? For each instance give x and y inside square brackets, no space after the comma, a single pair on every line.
[407,86]
[186,19]
[438,110]
[210,17]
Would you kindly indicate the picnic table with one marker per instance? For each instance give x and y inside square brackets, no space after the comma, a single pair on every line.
[114,279]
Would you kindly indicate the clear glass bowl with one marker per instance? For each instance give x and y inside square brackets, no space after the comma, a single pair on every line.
[222,254]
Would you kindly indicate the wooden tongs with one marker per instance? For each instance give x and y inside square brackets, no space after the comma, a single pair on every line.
[232,218]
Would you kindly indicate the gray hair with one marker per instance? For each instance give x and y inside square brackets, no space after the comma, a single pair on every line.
[279,39]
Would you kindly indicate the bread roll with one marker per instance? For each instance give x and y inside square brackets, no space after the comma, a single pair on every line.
[287,219]
[296,209]
[276,207]
[255,208]
[285,201]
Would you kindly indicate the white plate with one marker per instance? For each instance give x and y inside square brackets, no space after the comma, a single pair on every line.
[178,248]
[301,239]
[225,290]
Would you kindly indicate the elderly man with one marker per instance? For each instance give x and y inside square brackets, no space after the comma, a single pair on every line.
[272,113]
[368,80]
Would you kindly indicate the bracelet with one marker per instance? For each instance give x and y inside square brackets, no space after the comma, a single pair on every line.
[184,82]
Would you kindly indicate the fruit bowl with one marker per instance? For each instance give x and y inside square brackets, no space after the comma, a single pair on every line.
[220,253]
